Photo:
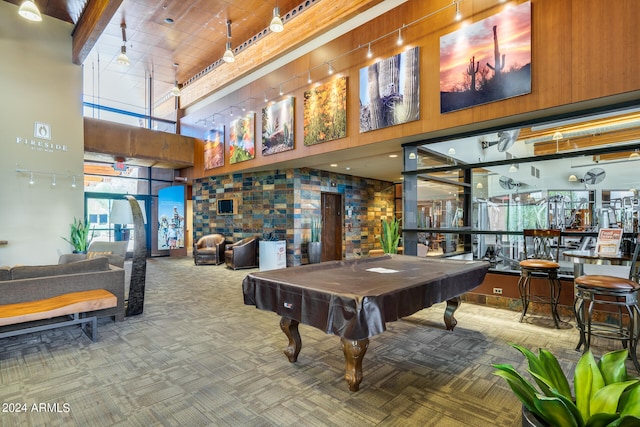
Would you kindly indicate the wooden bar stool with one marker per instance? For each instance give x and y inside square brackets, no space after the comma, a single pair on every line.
[541,250]
[610,291]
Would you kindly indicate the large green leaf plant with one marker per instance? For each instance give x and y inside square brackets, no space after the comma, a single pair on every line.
[604,394]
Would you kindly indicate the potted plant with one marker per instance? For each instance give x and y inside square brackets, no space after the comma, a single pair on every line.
[604,394]
[390,236]
[315,246]
[79,236]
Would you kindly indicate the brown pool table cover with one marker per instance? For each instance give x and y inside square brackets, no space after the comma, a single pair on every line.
[348,299]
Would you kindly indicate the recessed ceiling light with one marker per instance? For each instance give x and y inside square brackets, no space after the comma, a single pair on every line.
[168,20]
[348,168]
[334,165]
[393,155]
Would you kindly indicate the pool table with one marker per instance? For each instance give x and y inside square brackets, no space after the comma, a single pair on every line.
[354,299]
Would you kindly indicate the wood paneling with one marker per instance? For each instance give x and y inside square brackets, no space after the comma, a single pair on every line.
[605,40]
[314,21]
[556,55]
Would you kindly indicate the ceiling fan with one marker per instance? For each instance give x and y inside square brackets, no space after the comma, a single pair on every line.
[594,176]
[508,183]
[506,138]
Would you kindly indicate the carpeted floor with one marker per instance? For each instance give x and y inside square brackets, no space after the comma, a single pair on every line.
[199,357]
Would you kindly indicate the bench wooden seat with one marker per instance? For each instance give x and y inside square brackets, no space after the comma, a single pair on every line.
[75,304]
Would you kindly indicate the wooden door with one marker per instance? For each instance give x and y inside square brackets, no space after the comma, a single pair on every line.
[332,226]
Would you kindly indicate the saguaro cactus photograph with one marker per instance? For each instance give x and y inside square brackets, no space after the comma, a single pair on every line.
[390,91]
[486,61]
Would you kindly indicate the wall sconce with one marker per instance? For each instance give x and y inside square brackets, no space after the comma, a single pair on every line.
[452,151]
[573,178]
[479,185]
[513,168]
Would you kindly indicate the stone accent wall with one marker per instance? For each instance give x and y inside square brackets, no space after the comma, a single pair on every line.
[281,204]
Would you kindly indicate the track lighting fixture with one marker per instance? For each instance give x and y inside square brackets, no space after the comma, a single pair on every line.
[369,54]
[29,10]
[276,23]
[228,53]
[123,59]
[331,70]
[280,92]
[54,176]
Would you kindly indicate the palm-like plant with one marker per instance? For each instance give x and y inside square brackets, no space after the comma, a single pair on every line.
[390,236]
[315,230]
[604,395]
[79,235]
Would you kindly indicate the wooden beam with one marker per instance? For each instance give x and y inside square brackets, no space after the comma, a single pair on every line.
[585,142]
[312,23]
[92,23]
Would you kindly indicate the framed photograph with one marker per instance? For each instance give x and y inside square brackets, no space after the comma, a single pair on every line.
[278,127]
[390,91]
[486,61]
[214,148]
[325,112]
[242,143]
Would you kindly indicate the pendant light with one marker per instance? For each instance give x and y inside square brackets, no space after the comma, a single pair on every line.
[228,54]
[175,91]
[276,23]
[123,59]
[29,10]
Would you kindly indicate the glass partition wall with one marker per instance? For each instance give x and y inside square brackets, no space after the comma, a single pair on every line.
[472,196]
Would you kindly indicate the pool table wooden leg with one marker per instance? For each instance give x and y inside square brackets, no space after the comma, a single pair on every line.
[290,329]
[353,354]
[452,306]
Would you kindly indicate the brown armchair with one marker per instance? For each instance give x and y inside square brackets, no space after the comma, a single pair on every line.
[242,254]
[209,249]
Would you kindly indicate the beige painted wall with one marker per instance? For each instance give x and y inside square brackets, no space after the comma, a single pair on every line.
[38,84]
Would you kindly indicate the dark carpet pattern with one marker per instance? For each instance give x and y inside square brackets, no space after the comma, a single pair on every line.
[198,356]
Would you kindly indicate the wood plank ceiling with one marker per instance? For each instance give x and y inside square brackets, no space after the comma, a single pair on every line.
[192,34]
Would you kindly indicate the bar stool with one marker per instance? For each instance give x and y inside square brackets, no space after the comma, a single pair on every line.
[541,250]
[610,291]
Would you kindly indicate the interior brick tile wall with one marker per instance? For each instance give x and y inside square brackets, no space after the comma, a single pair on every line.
[280,204]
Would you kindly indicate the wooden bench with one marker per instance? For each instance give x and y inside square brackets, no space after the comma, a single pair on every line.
[75,304]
